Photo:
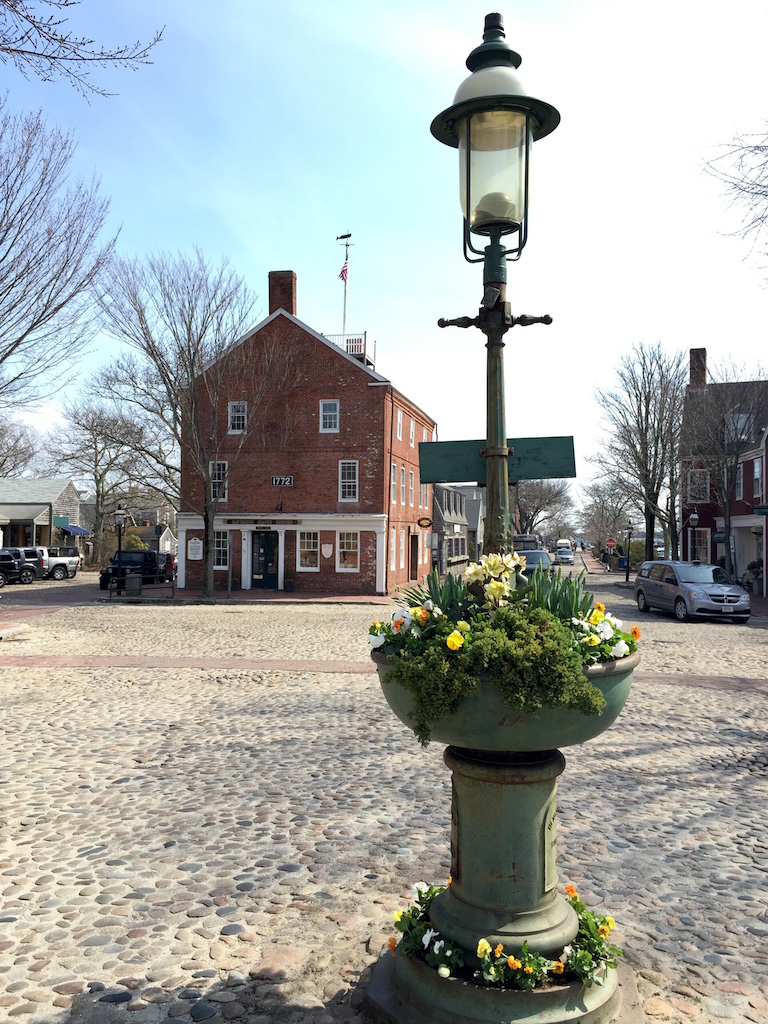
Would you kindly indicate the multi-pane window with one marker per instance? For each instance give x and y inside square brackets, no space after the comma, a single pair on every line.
[329,417]
[412,437]
[739,491]
[237,417]
[219,480]
[410,488]
[309,551]
[393,549]
[347,552]
[402,485]
[402,549]
[424,434]
[698,485]
[348,480]
[220,549]
[393,484]
[399,424]
[757,480]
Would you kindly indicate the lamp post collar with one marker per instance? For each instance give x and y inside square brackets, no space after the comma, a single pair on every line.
[494,49]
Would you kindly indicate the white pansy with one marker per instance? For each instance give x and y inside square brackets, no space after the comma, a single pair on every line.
[427,937]
[401,620]
[438,945]
[604,630]
[418,889]
[620,650]
[376,640]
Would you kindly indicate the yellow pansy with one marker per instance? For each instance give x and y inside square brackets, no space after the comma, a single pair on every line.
[462,626]
[455,640]
[592,640]
[397,915]
[483,948]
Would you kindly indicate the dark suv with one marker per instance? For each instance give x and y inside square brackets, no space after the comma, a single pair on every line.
[135,563]
[31,562]
[9,567]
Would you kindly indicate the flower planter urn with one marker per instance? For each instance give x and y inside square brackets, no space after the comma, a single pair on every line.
[504,766]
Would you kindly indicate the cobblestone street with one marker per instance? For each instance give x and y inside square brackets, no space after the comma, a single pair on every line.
[210,813]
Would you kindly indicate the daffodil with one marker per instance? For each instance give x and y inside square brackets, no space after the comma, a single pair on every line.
[474,573]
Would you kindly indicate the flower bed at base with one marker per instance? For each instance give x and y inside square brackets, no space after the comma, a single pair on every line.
[585,959]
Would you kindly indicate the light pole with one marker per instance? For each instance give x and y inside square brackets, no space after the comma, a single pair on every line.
[119,518]
[629,547]
[693,519]
[493,123]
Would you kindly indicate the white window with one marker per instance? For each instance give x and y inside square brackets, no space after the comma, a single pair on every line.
[402,485]
[220,549]
[412,437]
[410,488]
[329,417]
[757,482]
[739,490]
[424,434]
[348,480]
[393,549]
[402,549]
[218,471]
[309,552]
[393,484]
[399,424]
[238,417]
[420,547]
[347,552]
[698,485]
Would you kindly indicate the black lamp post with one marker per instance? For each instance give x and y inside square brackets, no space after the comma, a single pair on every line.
[119,518]
[693,519]
[493,123]
[629,547]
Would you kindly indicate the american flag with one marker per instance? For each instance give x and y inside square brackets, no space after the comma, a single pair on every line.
[344,270]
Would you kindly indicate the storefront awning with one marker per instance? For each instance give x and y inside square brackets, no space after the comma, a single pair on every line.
[15,512]
[76,531]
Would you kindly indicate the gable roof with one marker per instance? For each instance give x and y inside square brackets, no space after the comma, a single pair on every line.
[32,490]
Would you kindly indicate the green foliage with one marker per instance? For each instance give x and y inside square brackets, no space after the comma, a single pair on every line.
[565,597]
[450,595]
[133,543]
[523,971]
[590,950]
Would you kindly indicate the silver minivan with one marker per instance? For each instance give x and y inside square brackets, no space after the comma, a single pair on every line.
[691,590]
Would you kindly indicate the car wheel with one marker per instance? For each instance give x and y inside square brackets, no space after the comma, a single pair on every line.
[26,576]
[3,579]
[103,584]
[642,604]
[71,575]
[741,620]
[681,611]
[59,572]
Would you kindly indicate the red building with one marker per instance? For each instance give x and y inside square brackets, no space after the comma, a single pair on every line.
[328,499]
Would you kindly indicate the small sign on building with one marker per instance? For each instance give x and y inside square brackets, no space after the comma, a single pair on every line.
[194,549]
[281,481]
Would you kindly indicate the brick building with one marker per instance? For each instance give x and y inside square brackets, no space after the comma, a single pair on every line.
[326,496]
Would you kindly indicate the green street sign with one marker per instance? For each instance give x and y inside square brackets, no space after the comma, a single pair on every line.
[532,458]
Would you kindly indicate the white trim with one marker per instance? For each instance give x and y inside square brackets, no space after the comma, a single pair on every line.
[356,464]
[299,566]
[239,430]
[338,551]
[211,471]
[330,430]
[399,425]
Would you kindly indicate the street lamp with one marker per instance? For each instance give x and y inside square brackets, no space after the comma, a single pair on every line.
[119,518]
[629,547]
[693,519]
[493,124]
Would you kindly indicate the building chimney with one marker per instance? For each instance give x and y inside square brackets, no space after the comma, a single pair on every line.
[282,291]
[698,372]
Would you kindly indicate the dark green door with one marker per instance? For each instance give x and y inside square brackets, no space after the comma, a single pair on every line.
[265,560]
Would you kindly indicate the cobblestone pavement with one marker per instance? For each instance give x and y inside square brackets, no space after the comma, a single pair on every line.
[229,843]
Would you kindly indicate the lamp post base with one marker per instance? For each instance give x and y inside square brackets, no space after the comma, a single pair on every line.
[406,991]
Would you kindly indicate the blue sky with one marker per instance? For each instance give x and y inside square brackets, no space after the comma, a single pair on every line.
[262,131]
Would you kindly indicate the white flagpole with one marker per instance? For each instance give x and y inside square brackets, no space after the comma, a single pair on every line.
[344,275]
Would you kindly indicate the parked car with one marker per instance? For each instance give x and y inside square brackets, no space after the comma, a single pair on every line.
[32,562]
[538,559]
[9,567]
[690,590]
[563,556]
[135,563]
[62,563]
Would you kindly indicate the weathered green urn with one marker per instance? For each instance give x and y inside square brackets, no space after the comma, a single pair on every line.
[504,766]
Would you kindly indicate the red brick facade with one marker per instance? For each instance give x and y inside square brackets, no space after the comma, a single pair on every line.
[309,500]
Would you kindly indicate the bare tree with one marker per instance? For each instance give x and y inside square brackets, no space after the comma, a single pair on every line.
[50,258]
[604,511]
[536,502]
[34,38]
[721,423]
[185,321]
[92,446]
[643,414]
[18,447]
[742,166]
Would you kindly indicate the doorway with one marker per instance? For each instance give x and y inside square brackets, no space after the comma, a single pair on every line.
[264,563]
[413,565]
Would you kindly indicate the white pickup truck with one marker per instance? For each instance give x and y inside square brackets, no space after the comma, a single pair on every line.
[62,562]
